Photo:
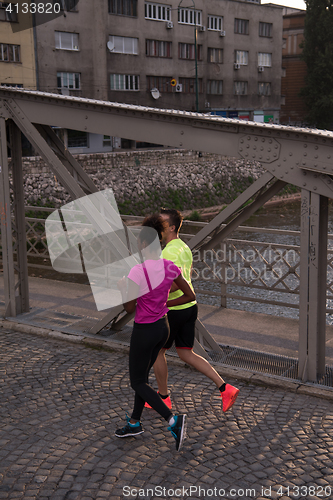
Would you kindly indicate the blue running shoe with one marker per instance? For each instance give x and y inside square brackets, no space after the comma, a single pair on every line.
[129,429]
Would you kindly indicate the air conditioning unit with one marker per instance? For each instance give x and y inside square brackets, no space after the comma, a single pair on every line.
[169,25]
[222,33]
[260,69]
[202,28]
[179,87]
[237,66]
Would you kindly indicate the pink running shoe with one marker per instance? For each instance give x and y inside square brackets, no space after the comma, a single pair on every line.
[229,396]
[166,401]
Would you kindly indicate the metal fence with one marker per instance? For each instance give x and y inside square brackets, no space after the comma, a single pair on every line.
[258,265]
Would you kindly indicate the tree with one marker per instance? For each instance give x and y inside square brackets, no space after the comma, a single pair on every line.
[318,56]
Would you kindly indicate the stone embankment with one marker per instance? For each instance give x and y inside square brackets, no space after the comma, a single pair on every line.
[144,180]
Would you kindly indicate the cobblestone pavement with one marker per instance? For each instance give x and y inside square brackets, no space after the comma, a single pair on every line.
[61,403]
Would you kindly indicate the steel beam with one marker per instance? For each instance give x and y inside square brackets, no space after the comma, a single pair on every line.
[6,226]
[298,156]
[314,226]
[22,286]
[71,164]
[246,212]
[229,211]
[39,143]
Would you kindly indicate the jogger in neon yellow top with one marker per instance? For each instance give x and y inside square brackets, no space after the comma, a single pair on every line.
[182,318]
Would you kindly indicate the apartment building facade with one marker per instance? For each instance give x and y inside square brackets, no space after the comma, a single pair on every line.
[220,56]
[17,51]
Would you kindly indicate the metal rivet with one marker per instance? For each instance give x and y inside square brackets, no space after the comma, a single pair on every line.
[304,184]
[315,188]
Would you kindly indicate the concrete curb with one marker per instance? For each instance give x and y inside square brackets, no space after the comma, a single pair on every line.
[224,370]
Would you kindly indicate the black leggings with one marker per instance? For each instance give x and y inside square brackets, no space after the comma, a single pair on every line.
[146,342]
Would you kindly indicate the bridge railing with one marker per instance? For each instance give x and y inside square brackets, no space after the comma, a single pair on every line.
[257,265]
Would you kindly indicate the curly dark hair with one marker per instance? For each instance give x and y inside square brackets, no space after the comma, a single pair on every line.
[175,217]
[156,222]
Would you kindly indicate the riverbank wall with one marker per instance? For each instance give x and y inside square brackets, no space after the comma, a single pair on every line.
[145,180]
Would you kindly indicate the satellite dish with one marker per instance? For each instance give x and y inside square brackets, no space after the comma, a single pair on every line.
[155,93]
[110,46]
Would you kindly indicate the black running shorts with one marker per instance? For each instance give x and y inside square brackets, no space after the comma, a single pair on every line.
[182,327]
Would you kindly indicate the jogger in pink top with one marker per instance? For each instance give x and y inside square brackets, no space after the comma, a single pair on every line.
[150,282]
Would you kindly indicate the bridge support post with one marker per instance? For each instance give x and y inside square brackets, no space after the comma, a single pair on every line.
[22,287]
[6,226]
[313,270]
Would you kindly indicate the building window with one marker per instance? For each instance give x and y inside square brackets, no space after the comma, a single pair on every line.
[215,55]
[107,141]
[265,29]
[68,5]
[242,57]
[189,16]
[123,7]
[77,139]
[214,87]
[9,53]
[124,45]
[187,51]
[66,41]
[162,83]
[6,15]
[264,59]
[240,88]
[215,23]
[264,88]
[124,82]
[242,26]
[157,48]
[68,80]
[189,85]
[157,11]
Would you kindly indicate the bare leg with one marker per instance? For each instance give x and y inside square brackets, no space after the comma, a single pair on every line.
[161,372]
[200,364]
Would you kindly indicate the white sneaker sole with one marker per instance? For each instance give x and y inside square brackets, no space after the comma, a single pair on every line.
[183,432]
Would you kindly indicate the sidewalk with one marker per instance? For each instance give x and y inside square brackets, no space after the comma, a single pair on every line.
[259,332]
